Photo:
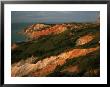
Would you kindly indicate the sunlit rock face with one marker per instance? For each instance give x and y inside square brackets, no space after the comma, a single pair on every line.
[84,39]
[36,31]
[48,63]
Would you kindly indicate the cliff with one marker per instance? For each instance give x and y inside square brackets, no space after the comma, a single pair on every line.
[58,50]
[37,30]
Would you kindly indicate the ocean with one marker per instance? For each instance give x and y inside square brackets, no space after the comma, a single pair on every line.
[18,27]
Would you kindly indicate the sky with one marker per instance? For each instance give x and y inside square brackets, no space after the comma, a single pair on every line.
[53,16]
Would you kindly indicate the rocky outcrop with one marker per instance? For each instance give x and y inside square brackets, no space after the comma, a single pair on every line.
[84,39]
[36,27]
[52,30]
[37,30]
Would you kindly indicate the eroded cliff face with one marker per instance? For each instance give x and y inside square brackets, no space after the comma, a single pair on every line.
[74,50]
[84,39]
[47,65]
[37,30]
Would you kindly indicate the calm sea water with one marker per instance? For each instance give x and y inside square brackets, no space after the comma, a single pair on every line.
[15,28]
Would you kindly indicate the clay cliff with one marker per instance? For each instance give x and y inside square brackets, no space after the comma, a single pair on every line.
[58,50]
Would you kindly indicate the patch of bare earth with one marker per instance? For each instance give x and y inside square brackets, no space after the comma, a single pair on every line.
[71,69]
[84,39]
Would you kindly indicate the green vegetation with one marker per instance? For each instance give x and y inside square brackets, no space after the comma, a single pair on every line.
[85,63]
[45,46]
[54,44]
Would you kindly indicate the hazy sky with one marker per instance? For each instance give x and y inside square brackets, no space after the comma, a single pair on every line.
[53,16]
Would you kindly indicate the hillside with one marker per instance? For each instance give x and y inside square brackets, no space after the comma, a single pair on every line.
[69,49]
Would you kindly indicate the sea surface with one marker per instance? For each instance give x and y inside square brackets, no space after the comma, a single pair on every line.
[18,27]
